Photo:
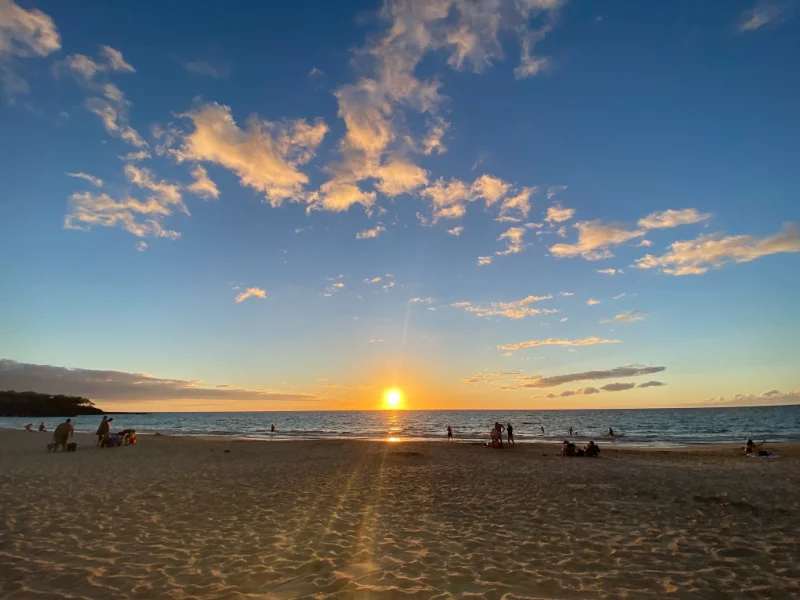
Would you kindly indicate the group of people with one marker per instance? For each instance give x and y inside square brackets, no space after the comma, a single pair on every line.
[105,438]
[496,434]
[42,427]
[570,449]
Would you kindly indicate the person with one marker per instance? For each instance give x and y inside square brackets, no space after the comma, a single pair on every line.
[104,430]
[28,427]
[128,436]
[610,432]
[592,449]
[542,428]
[570,430]
[42,427]
[510,432]
[568,449]
[272,429]
[62,433]
[101,430]
[497,441]
[750,448]
[449,433]
[500,429]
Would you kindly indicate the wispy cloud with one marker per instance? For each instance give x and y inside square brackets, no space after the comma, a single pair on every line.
[202,185]
[376,340]
[423,300]
[333,288]
[628,317]
[373,280]
[537,381]
[23,34]
[517,309]
[591,341]
[455,230]
[673,218]
[252,292]
[557,214]
[648,384]
[95,181]
[122,386]
[610,271]
[484,260]
[592,302]
[217,69]
[695,257]
[141,246]
[765,12]
[771,397]
[371,233]
[513,237]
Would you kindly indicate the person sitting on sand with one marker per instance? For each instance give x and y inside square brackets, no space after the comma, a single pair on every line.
[29,427]
[592,449]
[62,433]
[449,433]
[750,448]
[568,449]
[42,427]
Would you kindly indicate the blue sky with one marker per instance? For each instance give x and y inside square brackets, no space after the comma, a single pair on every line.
[558,197]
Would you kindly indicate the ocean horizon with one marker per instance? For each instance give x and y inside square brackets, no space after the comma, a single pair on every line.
[651,427]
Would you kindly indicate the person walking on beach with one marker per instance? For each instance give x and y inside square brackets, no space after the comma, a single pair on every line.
[510,432]
[272,429]
[449,433]
[62,433]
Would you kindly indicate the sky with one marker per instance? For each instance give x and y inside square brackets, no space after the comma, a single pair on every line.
[528,204]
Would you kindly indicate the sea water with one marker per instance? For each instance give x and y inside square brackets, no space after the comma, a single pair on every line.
[642,427]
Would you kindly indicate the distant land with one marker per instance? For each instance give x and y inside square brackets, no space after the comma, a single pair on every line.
[35,404]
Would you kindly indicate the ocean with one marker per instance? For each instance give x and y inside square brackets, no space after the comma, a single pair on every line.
[642,427]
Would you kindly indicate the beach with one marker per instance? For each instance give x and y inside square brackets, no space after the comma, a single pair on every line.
[181,517]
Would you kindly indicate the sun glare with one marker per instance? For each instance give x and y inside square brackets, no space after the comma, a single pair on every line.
[393,398]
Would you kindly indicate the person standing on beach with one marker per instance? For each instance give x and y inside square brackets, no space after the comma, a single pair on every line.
[542,428]
[449,433]
[42,427]
[570,430]
[272,429]
[102,429]
[610,432]
[510,432]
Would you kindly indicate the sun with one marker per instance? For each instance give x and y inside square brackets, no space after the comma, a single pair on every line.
[393,398]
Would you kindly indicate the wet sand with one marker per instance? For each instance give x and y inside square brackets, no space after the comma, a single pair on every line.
[215,518]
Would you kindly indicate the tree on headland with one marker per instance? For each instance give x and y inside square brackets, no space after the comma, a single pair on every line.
[34,404]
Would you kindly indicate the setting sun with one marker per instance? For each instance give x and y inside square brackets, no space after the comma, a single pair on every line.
[393,398]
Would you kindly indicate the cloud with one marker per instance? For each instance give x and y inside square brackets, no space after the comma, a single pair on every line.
[389,285]
[399,176]
[771,397]
[490,188]
[584,391]
[135,156]
[142,219]
[253,292]
[334,287]
[595,238]
[23,34]
[490,377]
[695,257]
[315,72]
[448,198]
[564,320]
[121,386]
[265,156]
[648,384]
[553,190]
[202,185]
[592,341]
[371,233]
[455,230]
[673,218]
[168,194]
[518,309]
[514,243]
[521,203]
[537,381]
[115,60]
[484,260]
[557,214]
[629,316]
[373,280]
[592,302]
[423,300]
[610,271]
[618,387]
[95,181]
[432,142]
[644,244]
[618,296]
[567,294]
[376,340]
[765,12]
[217,69]
[141,246]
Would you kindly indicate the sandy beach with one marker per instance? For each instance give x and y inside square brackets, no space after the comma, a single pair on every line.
[217,518]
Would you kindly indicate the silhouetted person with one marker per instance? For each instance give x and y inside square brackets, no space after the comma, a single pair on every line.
[42,427]
[449,433]
[62,433]
[510,432]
